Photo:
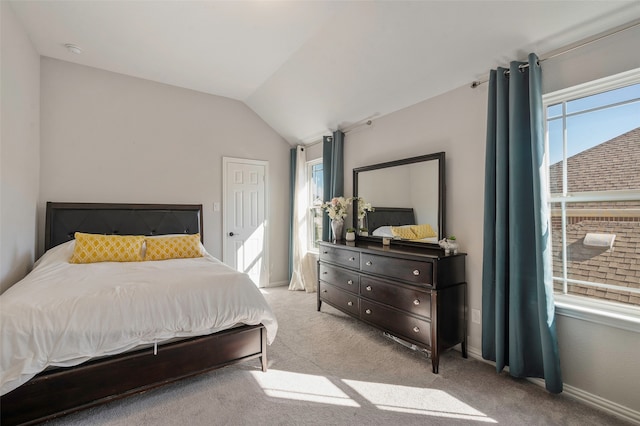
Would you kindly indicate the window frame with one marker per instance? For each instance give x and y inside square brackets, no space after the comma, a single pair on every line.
[585,308]
[310,164]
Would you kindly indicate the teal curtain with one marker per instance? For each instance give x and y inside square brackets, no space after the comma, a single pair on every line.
[333,174]
[292,189]
[518,320]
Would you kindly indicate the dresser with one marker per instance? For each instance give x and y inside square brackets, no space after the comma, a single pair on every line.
[415,294]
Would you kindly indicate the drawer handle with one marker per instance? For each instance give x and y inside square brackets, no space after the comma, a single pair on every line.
[324,273]
[324,291]
[369,288]
[369,263]
[416,302]
[350,282]
[416,272]
[416,329]
[325,252]
[351,259]
[368,312]
[350,303]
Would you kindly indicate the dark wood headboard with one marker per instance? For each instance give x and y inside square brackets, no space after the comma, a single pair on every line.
[390,216]
[64,219]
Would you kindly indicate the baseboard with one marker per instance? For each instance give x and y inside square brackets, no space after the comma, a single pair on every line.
[595,401]
[276,284]
[586,398]
[476,353]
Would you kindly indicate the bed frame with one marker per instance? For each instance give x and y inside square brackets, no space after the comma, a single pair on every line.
[61,391]
[390,216]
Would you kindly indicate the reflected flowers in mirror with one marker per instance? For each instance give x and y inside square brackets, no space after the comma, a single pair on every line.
[363,208]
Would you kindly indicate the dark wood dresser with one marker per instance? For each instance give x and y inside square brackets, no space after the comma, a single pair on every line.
[415,294]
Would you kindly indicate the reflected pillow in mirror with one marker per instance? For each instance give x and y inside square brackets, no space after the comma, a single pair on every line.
[423,231]
[383,231]
[405,232]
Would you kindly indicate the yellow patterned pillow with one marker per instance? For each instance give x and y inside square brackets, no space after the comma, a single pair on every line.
[180,247]
[423,231]
[403,232]
[90,248]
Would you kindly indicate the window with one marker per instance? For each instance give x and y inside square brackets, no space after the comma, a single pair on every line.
[593,154]
[316,195]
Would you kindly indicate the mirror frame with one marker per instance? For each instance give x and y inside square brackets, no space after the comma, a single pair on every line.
[440,156]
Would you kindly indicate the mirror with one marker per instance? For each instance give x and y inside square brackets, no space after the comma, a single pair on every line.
[402,193]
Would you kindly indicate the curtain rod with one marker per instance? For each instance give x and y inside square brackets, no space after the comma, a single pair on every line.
[572,47]
[345,131]
[311,144]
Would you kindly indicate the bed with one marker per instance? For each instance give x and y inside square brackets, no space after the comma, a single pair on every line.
[195,344]
[389,216]
[382,221]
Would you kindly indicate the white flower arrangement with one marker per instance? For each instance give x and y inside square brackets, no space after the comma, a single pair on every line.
[363,208]
[337,208]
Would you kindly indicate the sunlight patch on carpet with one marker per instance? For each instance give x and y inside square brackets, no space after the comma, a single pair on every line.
[428,402]
[302,387]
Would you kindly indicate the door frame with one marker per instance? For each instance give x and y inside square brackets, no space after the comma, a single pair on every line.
[265,248]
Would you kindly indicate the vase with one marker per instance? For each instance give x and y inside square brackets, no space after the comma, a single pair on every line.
[351,236]
[336,227]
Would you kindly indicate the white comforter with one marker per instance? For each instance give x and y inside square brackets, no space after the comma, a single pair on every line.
[63,314]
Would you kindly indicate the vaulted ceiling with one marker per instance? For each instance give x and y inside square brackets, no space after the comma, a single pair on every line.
[307,67]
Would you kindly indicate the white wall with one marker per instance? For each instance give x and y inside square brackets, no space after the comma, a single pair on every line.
[453,123]
[595,358]
[19,149]
[107,137]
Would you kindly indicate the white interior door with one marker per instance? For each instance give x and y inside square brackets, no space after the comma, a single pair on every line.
[244,220]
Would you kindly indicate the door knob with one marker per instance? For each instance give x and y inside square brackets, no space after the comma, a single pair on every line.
[231,234]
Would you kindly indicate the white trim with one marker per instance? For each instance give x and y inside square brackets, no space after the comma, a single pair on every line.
[277,284]
[596,401]
[594,196]
[616,287]
[310,224]
[592,87]
[598,311]
[578,394]
[476,353]
[596,212]
[314,161]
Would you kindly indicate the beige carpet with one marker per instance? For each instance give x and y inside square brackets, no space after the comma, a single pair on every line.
[328,369]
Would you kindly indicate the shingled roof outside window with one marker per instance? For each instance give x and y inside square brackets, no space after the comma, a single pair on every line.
[609,166]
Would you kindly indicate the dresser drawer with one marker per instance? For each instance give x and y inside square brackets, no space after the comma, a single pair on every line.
[340,256]
[415,301]
[340,299]
[343,278]
[397,323]
[402,269]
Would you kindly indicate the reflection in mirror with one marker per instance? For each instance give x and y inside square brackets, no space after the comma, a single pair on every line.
[407,197]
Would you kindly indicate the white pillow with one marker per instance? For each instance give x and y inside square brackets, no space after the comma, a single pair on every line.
[383,231]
